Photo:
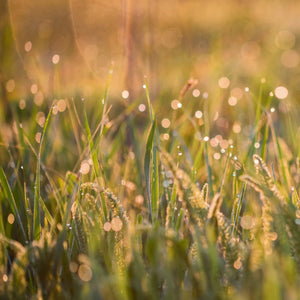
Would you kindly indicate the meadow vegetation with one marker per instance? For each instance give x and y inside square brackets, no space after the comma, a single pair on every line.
[181,185]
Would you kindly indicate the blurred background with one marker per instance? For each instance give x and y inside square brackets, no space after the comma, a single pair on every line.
[62,48]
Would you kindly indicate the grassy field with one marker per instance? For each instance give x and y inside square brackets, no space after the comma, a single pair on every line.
[181,184]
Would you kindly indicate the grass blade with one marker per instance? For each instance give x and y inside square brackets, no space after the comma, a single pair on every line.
[147,162]
[36,208]
[96,165]
[237,211]
[11,200]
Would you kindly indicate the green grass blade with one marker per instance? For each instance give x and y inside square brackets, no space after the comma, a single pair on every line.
[264,142]
[238,209]
[36,209]
[96,165]
[179,220]
[279,152]
[47,212]
[155,184]
[147,163]
[11,200]
[149,102]
[209,172]
[197,162]
[224,173]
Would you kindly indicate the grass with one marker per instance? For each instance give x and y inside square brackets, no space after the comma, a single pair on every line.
[180,192]
[194,223]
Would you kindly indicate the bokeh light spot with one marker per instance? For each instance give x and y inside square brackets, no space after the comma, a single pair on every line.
[232,101]
[198,114]
[285,39]
[107,226]
[10,85]
[142,107]
[85,167]
[85,273]
[11,219]
[61,105]
[224,82]
[125,94]
[116,224]
[55,59]
[165,123]
[196,93]
[281,92]
[27,46]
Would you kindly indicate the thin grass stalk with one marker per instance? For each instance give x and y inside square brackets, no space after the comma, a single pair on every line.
[11,200]
[238,209]
[95,163]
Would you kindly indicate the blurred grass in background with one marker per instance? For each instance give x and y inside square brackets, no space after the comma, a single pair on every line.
[64,45]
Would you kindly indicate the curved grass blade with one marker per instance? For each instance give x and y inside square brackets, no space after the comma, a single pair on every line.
[147,162]
[95,160]
[237,210]
[36,209]
[11,200]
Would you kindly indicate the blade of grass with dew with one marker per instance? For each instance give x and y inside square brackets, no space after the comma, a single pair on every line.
[238,209]
[11,200]
[147,162]
[36,208]
[95,161]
